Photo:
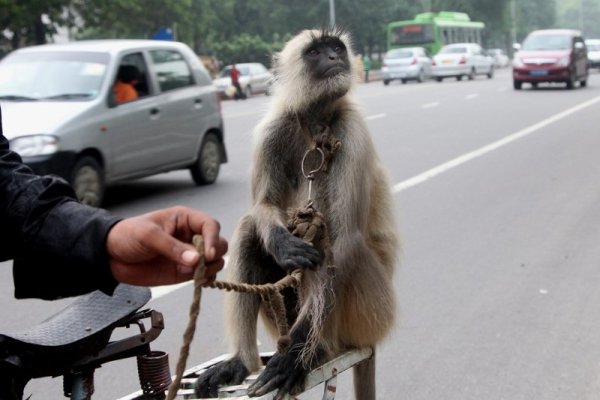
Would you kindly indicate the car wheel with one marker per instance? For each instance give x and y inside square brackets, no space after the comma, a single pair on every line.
[421,76]
[570,84]
[87,179]
[206,168]
[403,81]
[534,85]
[459,78]
[439,79]
[583,83]
[248,91]
[386,82]
[517,85]
[490,74]
[471,75]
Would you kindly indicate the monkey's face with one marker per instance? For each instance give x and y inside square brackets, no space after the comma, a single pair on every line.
[314,65]
[326,57]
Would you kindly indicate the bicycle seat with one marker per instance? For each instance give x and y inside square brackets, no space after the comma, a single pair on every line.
[77,332]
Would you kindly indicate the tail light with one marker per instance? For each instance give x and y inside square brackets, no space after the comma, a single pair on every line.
[414,61]
[433,62]
[463,60]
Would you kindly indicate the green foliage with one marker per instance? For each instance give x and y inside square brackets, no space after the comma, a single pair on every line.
[251,30]
[580,14]
[23,20]
[244,48]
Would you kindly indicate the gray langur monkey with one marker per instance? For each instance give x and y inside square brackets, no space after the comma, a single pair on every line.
[355,307]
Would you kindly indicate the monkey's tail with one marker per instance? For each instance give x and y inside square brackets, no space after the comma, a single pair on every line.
[318,308]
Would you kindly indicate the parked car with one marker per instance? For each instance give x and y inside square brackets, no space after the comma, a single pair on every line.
[500,58]
[254,78]
[593,52]
[551,55]
[60,114]
[406,64]
[458,60]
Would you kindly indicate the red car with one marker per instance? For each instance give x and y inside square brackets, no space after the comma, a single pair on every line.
[551,55]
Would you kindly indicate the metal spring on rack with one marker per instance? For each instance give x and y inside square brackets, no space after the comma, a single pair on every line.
[154,373]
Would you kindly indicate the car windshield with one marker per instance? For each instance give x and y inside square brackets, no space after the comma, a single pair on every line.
[52,76]
[453,50]
[399,54]
[547,42]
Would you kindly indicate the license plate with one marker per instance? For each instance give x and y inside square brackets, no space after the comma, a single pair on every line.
[446,61]
[539,72]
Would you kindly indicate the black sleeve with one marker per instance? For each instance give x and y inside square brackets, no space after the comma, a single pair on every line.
[58,244]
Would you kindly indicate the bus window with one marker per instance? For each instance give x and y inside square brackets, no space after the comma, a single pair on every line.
[411,34]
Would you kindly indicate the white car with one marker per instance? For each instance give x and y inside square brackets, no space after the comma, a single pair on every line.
[458,60]
[593,52]
[411,63]
[254,78]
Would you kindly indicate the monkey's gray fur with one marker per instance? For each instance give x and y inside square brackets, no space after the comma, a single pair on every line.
[354,308]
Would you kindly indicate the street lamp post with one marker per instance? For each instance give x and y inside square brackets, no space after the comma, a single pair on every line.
[332,13]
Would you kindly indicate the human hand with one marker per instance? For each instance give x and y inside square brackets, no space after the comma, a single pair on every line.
[155,248]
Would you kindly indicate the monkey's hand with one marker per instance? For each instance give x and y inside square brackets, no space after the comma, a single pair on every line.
[228,372]
[282,372]
[291,252]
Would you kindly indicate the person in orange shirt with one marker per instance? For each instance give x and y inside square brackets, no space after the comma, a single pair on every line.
[124,88]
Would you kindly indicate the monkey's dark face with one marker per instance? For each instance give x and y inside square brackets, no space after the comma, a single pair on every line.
[326,57]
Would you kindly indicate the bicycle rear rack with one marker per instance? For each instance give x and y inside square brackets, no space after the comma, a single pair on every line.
[325,374]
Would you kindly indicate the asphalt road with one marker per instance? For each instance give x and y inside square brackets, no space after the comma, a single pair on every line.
[498,198]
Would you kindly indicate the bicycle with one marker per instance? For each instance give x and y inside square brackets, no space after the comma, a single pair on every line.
[76,341]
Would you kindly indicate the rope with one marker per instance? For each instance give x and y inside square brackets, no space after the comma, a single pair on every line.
[188,336]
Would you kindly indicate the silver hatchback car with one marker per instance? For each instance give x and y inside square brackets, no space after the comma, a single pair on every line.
[411,63]
[65,114]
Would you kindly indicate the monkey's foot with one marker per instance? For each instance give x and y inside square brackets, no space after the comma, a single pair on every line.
[282,372]
[228,372]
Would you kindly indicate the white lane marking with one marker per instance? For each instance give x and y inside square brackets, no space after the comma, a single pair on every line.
[425,176]
[430,105]
[471,96]
[376,116]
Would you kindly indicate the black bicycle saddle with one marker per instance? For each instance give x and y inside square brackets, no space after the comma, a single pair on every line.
[78,331]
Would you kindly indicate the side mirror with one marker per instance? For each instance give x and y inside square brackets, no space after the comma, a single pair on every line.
[516,47]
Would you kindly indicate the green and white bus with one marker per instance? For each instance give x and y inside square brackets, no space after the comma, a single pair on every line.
[433,30]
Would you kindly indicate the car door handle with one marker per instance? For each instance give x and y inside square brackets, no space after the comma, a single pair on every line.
[154,111]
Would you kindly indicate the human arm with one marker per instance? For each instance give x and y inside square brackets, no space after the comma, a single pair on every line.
[53,239]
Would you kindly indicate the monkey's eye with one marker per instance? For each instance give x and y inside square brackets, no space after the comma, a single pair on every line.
[338,49]
[313,52]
